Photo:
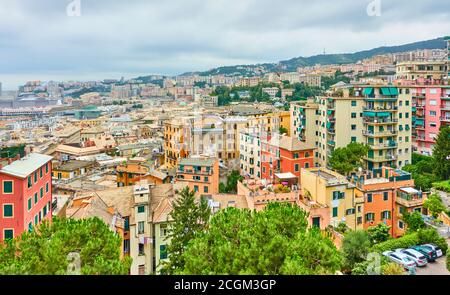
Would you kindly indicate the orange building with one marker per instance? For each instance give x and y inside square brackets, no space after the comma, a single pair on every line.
[388,193]
[201,174]
[135,171]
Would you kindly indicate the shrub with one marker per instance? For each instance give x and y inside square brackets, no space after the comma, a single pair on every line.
[392,269]
[403,242]
[442,186]
[431,236]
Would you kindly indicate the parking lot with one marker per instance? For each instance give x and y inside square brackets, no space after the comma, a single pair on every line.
[434,268]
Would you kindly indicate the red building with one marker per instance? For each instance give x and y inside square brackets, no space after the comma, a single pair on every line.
[283,157]
[25,194]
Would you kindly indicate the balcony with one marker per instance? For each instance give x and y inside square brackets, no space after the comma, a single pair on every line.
[380,108]
[409,200]
[380,121]
[445,107]
[445,98]
[445,119]
[331,143]
[380,133]
[382,146]
[381,159]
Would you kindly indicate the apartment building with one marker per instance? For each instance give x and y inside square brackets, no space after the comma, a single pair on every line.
[250,154]
[431,110]
[283,158]
[25,195]
[200,174]
[377,115]
[388,193]
[430,70]
[174,141]
[137,170]
[323,188]
[447,39]
[271,91]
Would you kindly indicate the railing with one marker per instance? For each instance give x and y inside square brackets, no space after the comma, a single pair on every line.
[367,121]
[446,119]
[380,133]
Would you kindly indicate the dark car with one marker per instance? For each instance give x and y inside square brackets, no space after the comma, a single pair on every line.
[429,253]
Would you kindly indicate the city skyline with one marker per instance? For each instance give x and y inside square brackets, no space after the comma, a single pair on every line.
[41,42]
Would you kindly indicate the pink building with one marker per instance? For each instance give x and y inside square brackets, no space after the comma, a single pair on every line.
[25,194]
[431,110]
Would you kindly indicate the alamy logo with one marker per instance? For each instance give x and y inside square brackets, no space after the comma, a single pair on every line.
[74,8]
[374,8]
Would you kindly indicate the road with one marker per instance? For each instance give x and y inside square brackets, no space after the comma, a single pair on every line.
[434,268]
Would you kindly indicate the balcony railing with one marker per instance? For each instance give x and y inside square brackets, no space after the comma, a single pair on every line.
[409,201]
[387,145]
[445,119]
[380,133]
[380,121]
[380,108]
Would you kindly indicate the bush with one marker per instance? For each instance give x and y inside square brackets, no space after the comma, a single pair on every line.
[403,242]
[442,186]
[392,269]
[431,236]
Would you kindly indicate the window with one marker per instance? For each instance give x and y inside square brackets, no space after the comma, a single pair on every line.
[359,209]
[205,189]
[353,127]
[35,176]
[41,192]
[46,168]
[407,103]
[296,168]
[353,103]
[41,172]
[7,187]
[433,113]
[141,209]
[433,102]
[197,178]
[141,227]
[8,234]
[127,223]
[335,211]
[385,196]
[400,224]
[350,211]
[36,220]
[30,227]
[306,165]
[369,198]
[206,178]
[370,217]
[35,198]
[385,215]
[353,115]
[196,188]
[30,183]
[141,249]
[359,220]
[46,187]
[353,139]
[163,231]
[162,252]
[44,211]
[8,211]
[306,155]
[30,204]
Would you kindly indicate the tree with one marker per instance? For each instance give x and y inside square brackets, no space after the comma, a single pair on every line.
[269,242]
[379,234]
[348,159]
[435,205]
[45,250]
[232,180]
[189,218]
[441,154]
[355,248]
[414,221]
[283,130]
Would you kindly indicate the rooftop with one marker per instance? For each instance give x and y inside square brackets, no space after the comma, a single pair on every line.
[27,165]
[198,161]
[72,165]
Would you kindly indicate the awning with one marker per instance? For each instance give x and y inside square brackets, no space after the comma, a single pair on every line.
[368,91]
[385,91]
[376,114]
[393,90]
[288,175]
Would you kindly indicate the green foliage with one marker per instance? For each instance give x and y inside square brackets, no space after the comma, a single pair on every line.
[392,269]
[402,242]
[232,180]
[413,221]
[361,268]
[303,91]
[283,130]
[441,154]
[431,236]
[448,261]
[348,159]
[342,228]
[269,242]
[442,186]
[189,219]
[421,171]
[435,205]
[327,82]
[355,248]
[45,250]
[379,234]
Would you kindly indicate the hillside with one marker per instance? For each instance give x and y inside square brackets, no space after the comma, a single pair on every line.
[324,59]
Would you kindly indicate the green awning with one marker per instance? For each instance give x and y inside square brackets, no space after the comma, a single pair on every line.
[383,114]
[369,114]
[376,114]
[329,112]
[368,91]
[393,90]
[420,122]
[385,91]
[414,109]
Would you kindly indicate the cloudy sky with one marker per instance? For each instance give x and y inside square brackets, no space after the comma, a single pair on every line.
[114,38]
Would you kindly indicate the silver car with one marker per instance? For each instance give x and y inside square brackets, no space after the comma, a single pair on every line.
[418,257]
[400,258]
[435,248]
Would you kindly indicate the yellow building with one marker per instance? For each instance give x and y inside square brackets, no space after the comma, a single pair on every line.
[333,191]
[412,70]
[71,169]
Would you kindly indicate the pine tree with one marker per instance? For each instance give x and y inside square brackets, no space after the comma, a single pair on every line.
[189,218]
[441,154]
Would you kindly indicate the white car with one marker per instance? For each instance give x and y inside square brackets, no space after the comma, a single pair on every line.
[435,248]
[418,257]
[400,258]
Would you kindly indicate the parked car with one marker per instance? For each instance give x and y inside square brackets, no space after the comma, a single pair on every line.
[418,257]
[435,248]
[401,259]
[429,253]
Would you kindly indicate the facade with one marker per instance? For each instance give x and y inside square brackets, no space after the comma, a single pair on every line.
[388,193]
[133,172]
[71,169]
[26,194]
[250,154]
[328,189]
[413,70]
[200,174]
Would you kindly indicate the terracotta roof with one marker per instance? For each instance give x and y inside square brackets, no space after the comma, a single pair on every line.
[290,143]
